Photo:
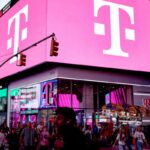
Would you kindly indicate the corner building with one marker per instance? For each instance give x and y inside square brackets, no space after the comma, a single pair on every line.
[101,60]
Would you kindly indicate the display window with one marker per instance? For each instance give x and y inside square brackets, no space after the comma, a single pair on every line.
[24,104]
[38,102]
[92,97]
[3,100]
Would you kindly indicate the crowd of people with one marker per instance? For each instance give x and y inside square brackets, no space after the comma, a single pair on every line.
[65,134]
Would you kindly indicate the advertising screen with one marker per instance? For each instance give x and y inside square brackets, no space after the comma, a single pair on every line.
[26,99]
[102,33]
[107,33]
[68,100]
[3,99]
[48,94]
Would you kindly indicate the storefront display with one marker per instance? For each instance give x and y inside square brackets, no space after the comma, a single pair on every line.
[25,104]
[3,105]
[48,94]
[3,99]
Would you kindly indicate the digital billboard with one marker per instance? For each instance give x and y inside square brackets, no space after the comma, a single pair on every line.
[3,99]
[48,94]
[107,33]
[25,100]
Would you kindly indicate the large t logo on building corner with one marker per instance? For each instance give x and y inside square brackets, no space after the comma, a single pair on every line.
[17,31]
[99,28]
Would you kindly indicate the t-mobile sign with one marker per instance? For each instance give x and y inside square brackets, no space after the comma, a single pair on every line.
[103,33]
[112,34]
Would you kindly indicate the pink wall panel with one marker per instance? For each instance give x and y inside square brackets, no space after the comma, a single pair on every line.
[102,33]
[20,27]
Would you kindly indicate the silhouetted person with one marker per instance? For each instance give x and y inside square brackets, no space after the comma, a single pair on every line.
[28,136]
[13,140]
[68,135]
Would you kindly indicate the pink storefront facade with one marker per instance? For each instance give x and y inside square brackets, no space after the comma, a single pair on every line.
[100,42]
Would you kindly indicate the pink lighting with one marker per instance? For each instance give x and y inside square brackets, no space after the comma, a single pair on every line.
[85,31]
[65,100]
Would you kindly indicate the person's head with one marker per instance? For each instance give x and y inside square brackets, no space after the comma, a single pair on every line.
[122,129]
[139,128]
[65,115]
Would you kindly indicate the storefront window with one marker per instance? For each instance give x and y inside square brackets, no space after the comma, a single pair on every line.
[70,93]
[3,105]
[48,101]
[24,104]
[88,98]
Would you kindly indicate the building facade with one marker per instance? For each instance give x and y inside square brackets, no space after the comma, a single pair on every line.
[103,57]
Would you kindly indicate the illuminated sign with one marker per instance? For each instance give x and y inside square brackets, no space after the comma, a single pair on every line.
[3,99]
[48,94]
[26,98]
[99,28]
[3,93]
[121,43]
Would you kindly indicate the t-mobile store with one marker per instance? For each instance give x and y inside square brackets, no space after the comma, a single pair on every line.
[103,56]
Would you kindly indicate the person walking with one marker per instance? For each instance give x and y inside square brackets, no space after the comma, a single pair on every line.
[139,138]
[2,139]
[44,139]
[121,139]
[28,136]
[68,135]
[13,140]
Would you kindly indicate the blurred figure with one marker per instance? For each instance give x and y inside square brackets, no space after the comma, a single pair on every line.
[88,132]
[40,127]
[121,139]
[2,139]
[129,137]
[140,138]
[13,140]
[5,128]
[68,135]
[95,131]
[28,136]
[44,139]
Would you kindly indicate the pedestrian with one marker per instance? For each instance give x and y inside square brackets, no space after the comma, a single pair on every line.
[121,139]
[44,139]
[68,135]
[139,138]
[2,139]
[13,140]
[28,136]
[5,128]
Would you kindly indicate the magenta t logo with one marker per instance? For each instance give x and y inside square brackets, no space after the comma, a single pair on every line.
[17,31]
[99,28]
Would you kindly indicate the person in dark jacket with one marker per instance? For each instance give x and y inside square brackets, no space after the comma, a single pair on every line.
[68,136]
[13,140]
[28,136]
